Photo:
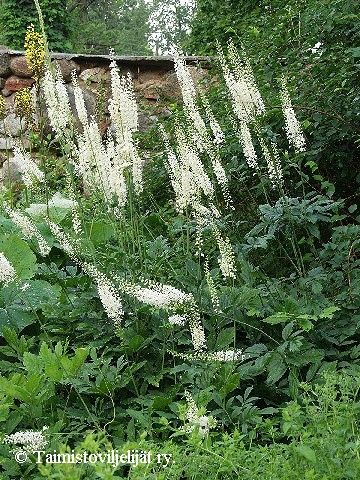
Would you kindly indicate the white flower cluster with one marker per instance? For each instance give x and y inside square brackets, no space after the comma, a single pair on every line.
[227,257]
[273,162]
[171,299]
[220,356]
[201,423]
[155,294]
[177,320]
[28,169]
[102,163]
[64,240]
[186,171]
[189,96]
[212,289]
[108,294]
[246,98]
[29,229]
[292,126]
[124,115]
[30,440]
[196,137]
[247,145]
[7,271]
[57,101]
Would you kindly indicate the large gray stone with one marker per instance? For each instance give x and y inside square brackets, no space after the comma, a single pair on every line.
[67,66]
[4,65]
[19,67]
[14,83]
[11,125]
[90,102]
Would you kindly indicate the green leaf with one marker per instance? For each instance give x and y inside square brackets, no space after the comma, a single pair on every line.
[20,255]
[306,452]
[225,338]
[280,317]
[328,312]
[276,368]
[352,208]
[100,232]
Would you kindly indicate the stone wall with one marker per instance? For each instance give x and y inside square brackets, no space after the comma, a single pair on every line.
[154,80]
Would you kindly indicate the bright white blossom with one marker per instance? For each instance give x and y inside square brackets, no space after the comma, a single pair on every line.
[29,229]
[220,356]
[247,145]
[79,100]
[7,271]
[108,294]
[246,98]
[227,257]
[156,294]
[194,420]
[30,441]
[57,101]
[177,320]
[292,126]
[124,116]
[188,91]
[64,240]
[28,169]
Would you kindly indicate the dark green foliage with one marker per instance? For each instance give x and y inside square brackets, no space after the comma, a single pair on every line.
[118,24]
[17,15]
[279,35]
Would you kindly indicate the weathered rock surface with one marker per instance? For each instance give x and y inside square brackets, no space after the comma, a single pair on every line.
[13,83]
[155,85]
[67,67]
[19,67]
[4,65]
[11,125]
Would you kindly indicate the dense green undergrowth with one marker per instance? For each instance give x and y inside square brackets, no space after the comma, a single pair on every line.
[254,375]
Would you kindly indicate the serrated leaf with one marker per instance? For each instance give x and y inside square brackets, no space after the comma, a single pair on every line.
[280,317]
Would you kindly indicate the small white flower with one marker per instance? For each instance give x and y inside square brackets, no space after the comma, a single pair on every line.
[7,271]
[108,294]
[177,320]
[28,169]
[30,440]
[29,229]
[292,126]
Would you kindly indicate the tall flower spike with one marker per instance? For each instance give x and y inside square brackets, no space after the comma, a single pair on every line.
[292,126]
[7,271]
[227,257]
[245,96]
[79,100]
[108,294]
[247,145]
[57,101]
[188,91]
[29,229]
[28,169]
[124,116]
[35,52]
[64,240]
[194,178]
[212,289]
[273,162]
